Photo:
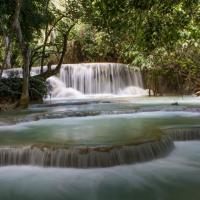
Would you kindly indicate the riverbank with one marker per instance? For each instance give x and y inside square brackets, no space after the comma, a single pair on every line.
[7,104]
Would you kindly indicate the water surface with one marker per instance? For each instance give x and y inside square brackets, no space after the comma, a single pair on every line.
[96,130]
[174,177]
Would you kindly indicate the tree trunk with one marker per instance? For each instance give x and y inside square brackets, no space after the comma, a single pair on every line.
[5,60]
[7,56]
[24,99]
[8,53]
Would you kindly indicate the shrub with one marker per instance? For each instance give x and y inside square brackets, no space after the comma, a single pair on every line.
[11,87]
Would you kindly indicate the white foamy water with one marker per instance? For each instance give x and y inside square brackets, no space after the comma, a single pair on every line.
[95,78]
[92,80]
[133,91]
[60,91]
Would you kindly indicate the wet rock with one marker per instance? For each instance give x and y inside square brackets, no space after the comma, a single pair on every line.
[175,104]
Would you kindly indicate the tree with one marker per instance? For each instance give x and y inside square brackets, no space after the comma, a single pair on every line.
[21,17]
[25,51]
[67,15]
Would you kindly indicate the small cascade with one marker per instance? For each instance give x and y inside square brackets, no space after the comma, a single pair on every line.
[183,133]
[85,157]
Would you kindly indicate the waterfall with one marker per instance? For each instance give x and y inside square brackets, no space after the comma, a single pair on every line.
[98,78]
[74,80]
[85,157]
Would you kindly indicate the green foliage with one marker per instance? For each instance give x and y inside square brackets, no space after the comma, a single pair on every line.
[38,88]
[34,17]
[11,88]
[95,45]
[146,25]
[147,34]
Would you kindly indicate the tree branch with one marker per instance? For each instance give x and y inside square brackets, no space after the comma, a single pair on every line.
[51,72]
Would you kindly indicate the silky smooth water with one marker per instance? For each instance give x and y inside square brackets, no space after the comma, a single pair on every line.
[96,130]
[93,78]
[76,80]
[101,106]
[124,103]
[174,177]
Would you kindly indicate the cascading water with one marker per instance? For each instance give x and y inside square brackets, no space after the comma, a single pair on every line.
[59,90]
[183,133]
[74,80]
[84,157]
[95,141]
[100,78]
